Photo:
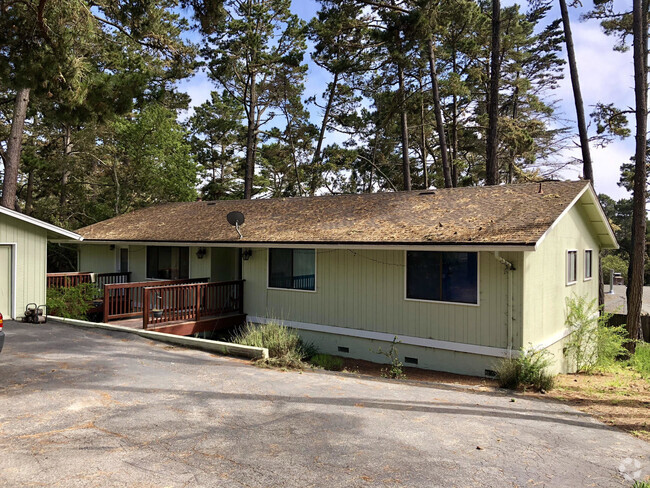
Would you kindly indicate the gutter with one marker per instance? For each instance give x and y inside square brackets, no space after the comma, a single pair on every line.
[509,268]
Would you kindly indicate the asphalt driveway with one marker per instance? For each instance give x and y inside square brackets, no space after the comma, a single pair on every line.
[85,407]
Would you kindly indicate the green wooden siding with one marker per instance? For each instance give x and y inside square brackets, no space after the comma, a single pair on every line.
[31,260]
[365,290]
[545,276]
[99,258]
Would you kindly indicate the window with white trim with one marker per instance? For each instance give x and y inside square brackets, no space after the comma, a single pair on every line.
[293,269]
[571,267]
[589,264]
[442,276]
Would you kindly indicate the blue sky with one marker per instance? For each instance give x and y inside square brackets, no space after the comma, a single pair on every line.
[605,75]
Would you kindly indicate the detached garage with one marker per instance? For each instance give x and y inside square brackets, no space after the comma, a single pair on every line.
[23,260]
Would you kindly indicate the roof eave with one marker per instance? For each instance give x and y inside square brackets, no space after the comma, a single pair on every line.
[50,228]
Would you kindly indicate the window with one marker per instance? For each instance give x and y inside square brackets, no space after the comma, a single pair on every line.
[572,267]
[442,276]
[124,260]
[294,269]
[588,264]
[168,263]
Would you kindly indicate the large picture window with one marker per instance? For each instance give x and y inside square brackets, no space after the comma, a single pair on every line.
[294,269]
[442,276]
[168,263]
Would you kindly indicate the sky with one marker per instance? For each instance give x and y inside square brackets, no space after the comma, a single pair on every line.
[605,76]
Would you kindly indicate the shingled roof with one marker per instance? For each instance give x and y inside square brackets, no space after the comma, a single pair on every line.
[514,215]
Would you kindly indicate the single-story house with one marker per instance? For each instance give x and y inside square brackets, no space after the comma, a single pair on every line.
[23,260]
[461,276]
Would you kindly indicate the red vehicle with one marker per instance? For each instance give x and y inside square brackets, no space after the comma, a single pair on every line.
[2,334]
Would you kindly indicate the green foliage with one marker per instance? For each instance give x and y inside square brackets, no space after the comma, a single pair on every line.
[640,361]
[325,361]
[395,369]
[617,263]
[73,302]
[593,344]
[527,370]
[286,348]
[641,484]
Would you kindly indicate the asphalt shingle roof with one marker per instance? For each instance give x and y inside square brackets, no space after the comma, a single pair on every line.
[506,215]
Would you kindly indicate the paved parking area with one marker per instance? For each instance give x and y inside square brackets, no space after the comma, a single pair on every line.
[83,407]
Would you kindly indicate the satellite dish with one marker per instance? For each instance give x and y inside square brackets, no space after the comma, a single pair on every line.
[236,219]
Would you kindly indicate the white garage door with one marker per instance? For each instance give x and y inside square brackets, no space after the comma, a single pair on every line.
[5,281]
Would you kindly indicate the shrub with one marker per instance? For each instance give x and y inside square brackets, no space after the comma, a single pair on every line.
[395,369]
[640,362]
[73,302]
[325,361]
[528,370]
[286,348]
[592,344]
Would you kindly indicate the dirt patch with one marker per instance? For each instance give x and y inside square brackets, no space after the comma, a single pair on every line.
[360,366]
[620,399]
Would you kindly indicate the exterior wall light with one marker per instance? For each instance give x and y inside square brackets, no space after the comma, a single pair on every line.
[246,254]
[201,252]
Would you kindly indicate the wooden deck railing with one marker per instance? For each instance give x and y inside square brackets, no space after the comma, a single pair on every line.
[67,280]
[191,302]
[124,300]
[103,279]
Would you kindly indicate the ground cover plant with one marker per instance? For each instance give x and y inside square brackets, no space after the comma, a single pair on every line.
[328,362]
[526,370]
[286,348]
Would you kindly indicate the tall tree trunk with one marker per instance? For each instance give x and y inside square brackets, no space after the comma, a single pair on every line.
[67,151]
[639,215]
[515,107]
[587,170]
[29,197]
[423,141]
[442,139]
[454,128]
[14,148]
[491,160]
[406,166]
[316,159]
[251,141]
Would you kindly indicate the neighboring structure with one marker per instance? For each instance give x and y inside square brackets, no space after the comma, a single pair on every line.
[23,260]
[461,276]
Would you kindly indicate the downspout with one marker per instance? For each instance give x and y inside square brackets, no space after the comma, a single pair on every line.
[509,268]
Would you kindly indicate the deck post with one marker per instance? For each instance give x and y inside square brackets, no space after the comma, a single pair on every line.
[199,289]
[106,294]
[145,309]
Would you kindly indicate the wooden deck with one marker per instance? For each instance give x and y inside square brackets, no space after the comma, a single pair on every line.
[184,327]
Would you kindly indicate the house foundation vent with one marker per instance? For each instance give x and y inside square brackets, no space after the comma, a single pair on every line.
[490,373]
[344,349]
[409,360]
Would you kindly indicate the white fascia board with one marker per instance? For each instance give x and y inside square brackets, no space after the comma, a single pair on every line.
[298,245]
[41,224]
[588,188]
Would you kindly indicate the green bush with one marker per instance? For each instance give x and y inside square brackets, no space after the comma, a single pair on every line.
[592,344]
[640,362]
[286,348]
[325,361]
[528,370]
[71,303]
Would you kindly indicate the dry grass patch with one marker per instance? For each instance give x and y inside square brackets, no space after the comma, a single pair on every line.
[620,398]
